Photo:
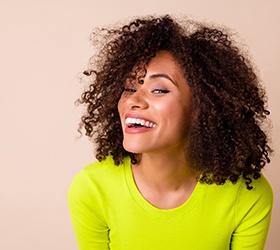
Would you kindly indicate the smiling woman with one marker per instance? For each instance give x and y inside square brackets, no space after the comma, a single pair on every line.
[180,111]
[162,100]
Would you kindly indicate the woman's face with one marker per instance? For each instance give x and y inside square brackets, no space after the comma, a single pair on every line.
[156,114]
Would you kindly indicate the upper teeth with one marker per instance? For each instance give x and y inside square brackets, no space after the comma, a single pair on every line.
[142,122]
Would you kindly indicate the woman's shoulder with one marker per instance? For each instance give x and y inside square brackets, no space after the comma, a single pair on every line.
[261,191]
[237,193]
[260,185]
[99,167]
[243,199]
[99,173]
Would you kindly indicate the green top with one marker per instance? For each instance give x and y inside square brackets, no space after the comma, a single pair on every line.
[108,212]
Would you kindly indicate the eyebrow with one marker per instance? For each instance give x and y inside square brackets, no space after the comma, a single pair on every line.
[161,75]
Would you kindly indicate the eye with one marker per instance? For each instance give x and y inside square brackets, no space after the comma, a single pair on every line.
[129,90]
[160,91]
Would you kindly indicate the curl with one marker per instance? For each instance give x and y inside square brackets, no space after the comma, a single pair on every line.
[227,137]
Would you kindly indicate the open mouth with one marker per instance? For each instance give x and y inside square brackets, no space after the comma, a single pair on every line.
[139,123]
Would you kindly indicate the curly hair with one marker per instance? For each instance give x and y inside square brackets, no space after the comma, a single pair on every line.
[227,138]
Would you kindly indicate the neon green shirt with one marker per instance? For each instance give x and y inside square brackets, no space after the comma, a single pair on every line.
[108,212]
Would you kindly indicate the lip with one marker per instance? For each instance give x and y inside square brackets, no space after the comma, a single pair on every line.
[136,130]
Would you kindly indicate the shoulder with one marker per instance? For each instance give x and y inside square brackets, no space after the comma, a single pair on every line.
[97,178]
[261,196]
[246,206]
[239,197]
[261,190]
[261,187]
[252,206]
[97,173]
[252,213]
[99,169]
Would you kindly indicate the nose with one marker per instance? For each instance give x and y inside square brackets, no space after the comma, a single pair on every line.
[138,100]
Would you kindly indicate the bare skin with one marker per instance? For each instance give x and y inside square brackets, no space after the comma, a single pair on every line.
[162,183]
[163,174]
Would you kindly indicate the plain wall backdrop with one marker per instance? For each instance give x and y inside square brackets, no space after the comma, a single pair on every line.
[43,47]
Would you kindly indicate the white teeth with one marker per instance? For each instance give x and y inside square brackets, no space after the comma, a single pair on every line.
[131,121]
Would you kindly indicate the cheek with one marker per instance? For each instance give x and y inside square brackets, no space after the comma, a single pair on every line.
[180,114]
[170,109]
[120,106]
[121,111]
[164,106]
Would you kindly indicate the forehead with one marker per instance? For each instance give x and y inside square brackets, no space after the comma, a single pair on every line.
[163,63]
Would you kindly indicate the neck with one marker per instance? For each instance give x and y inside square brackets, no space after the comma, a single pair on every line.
[165,172]
[166,180]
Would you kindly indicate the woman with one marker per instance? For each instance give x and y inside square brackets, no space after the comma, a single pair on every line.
[177,114]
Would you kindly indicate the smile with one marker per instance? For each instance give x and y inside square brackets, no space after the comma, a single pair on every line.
[136,122]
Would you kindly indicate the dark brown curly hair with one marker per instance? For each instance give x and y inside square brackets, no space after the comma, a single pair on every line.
[227,138]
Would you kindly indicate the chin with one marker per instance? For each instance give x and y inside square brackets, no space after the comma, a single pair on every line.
[133,148]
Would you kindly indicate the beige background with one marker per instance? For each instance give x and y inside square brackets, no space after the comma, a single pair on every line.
[43,47]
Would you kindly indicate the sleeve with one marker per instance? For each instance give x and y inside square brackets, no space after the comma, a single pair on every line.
[90,228]
[252,216]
